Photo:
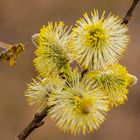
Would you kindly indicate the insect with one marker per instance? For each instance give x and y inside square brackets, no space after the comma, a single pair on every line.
[10,52]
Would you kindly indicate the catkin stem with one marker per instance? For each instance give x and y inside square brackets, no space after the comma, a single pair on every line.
[129,13]
[35,123]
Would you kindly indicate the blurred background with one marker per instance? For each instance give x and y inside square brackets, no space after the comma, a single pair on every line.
[19,20]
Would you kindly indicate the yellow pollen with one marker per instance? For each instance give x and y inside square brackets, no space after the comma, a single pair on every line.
[95,35]
[83,104]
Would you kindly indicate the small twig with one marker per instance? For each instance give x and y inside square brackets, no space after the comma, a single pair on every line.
[35,123]
[38,118]
[129,14]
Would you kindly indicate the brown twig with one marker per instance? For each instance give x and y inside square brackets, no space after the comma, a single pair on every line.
[129,14]
[35,123]
[38,117]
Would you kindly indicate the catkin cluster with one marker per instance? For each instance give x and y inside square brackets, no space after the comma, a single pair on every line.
[79,76]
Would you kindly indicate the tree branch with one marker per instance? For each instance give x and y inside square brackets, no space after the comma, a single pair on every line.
[38,117]
[35,123]
[129,13]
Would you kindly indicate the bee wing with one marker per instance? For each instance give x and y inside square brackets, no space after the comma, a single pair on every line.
[4,45]
[34,39]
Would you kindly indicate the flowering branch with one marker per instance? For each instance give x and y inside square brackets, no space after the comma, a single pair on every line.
[38,117]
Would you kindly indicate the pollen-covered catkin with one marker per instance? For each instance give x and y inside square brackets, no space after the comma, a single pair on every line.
[114,81]
[98,41]
[51,52]
[79,108]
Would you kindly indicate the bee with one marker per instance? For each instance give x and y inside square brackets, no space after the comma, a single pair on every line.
[10,52]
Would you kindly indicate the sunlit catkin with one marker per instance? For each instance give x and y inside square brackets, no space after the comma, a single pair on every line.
[99,40]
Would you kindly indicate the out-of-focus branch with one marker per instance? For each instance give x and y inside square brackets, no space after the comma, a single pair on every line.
[38,117]
[35,123]
[129,14]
